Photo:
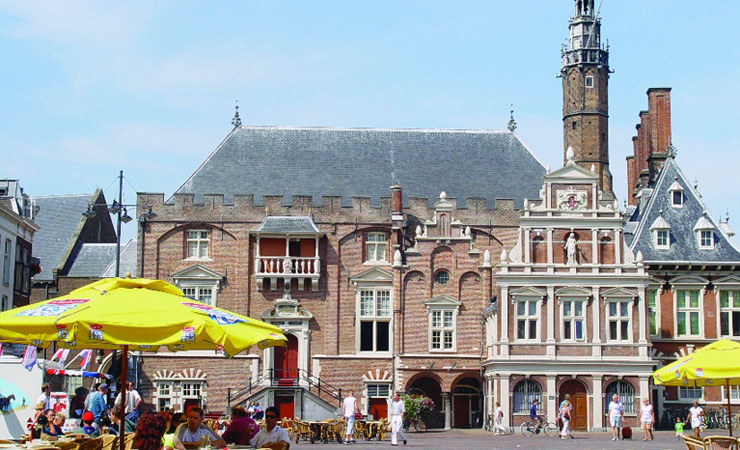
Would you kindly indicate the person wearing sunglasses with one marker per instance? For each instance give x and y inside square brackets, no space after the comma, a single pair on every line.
[272,436]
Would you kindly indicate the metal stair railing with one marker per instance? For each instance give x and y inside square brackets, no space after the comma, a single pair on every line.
[268,378]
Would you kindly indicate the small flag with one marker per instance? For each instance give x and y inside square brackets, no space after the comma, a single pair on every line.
[57,354]
[63,358]
[29,357]
[1,349]
[86,356]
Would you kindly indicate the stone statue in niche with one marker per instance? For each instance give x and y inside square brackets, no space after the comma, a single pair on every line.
[571,247]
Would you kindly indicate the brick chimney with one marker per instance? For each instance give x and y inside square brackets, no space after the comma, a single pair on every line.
[643,144]
[396,200]
[659,105]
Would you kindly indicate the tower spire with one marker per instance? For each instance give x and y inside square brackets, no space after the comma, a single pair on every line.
[585,73]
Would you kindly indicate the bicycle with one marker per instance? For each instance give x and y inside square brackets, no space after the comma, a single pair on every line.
[490,424]
[532,427]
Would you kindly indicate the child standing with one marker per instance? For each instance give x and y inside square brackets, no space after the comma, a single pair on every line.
[679,427]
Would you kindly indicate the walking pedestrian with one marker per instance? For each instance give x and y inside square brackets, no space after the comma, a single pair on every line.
[350,408]
[565,415]
[696,416]
[398,411]
[616,412]
[647,418]
[499,420]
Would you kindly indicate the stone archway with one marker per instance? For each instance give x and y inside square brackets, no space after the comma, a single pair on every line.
[432,389]
[467,402]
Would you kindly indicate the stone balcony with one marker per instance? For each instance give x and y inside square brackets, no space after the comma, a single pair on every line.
[288,268]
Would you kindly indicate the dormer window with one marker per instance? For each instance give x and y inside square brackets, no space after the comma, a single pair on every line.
[704,230]
[676,193]
[661,232]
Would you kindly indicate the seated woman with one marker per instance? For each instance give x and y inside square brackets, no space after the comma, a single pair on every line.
[169,437]
[54,428]
[149,432]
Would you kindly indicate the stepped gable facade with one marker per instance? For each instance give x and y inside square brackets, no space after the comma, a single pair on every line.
[376,293]
[693,293]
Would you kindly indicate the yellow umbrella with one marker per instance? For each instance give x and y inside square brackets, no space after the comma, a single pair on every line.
[715,364]
[137,314]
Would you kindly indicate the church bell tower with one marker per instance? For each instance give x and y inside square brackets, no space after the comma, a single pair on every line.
[585,74]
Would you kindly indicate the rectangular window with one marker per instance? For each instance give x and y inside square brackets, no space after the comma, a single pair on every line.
[198,244]
[201,294]
[706,239]
[443,329]
[662,239]
[191,390]
[7,248]
[573,125]
[379,390]
[589,81]
[375,247]
[690,393]
[164,389]
[687,313]
[729,313]
[573,320]
[526,319]
[619,321]
[677,198]
[652,312]
[163,403]
[734,393]
[375,317]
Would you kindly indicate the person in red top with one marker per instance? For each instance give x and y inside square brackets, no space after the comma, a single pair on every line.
[242,428]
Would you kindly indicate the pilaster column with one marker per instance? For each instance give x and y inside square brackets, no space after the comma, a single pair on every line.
[447,399]
[551,390]
[550,321]
[527,237]
[598,400]
[645,390]
[504,333]
[596,322]
[595,246]
[549,246]
[617,247]
[505,399]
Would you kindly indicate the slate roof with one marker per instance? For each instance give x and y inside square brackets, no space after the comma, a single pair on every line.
[129,259]
[58,219]
[684,247]
[362,162]
[287,224]
[92,260]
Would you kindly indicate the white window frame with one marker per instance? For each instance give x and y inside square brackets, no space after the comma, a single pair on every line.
[688,310]
[659,234]
[195,236]
[373,389]
[7,260]
[673,198]
[653,310]
[733,306]
[734,393]
[705,235]
[200,293]
[527,317]
[192,389]
[442,330]
[619,318]
[586,83]
[376,247]
[625,392]
[684,391]
[572,318]
[530,394]
[375,317]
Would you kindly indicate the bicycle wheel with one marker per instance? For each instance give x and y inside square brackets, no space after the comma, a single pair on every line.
[550,429]
[527,429]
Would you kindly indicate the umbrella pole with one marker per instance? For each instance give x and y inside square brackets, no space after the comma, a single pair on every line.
[124,372]
[729,407]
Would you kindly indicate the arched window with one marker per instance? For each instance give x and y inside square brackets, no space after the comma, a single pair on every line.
[626,394]
[525,393]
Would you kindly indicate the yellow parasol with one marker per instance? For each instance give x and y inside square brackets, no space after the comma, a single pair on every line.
[715,364]
[136,314]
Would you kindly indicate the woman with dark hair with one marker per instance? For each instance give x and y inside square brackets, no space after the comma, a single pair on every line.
[149,432]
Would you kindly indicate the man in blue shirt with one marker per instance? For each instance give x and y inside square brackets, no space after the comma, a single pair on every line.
[98,405]
[533,415]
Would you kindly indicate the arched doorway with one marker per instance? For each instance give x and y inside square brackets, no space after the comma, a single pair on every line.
[466,403]
[286,362]
[579,403]
[431,388]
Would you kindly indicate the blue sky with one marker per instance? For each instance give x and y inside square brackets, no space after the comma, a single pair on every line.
[93,87]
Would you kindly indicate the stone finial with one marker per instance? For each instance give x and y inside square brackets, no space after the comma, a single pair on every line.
[443,195]
[547,168]
[526,203]
[504,256]
[512,123]
[593,168]
[418,231]
[236,121]
[639,256]
[397,259]
[487,258]
[569,155]
[467,231]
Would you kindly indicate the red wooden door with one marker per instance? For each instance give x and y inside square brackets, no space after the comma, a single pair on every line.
[579,406]
[285,406]
[286,362]
[379,408]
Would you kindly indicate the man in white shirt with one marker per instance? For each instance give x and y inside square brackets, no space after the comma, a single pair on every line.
[272,436]
[193,434]
[133,399]
[398,410]
[349,408]
[45,396]
[616,411]
[696,415]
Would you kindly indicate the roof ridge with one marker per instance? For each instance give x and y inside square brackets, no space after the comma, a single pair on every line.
[415,130]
